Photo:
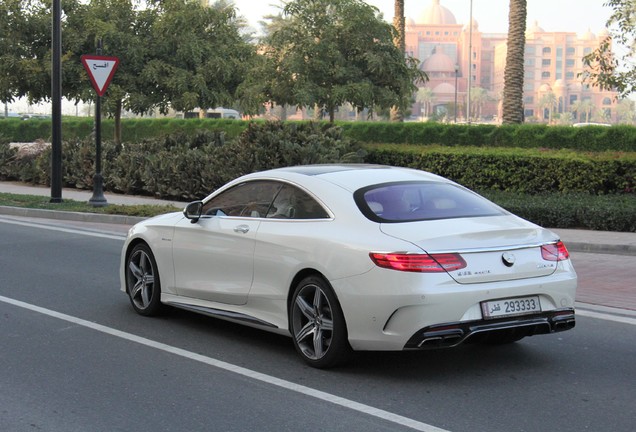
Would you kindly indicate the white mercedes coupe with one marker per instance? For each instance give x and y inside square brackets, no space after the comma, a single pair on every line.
[354,257]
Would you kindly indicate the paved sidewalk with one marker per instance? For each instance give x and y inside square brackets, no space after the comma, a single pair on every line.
[604,260]
[83,195]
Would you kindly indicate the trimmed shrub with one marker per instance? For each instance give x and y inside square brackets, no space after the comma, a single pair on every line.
[604,213]
[591,138]
[517,170]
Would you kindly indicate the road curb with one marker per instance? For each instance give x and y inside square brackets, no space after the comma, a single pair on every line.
[601,248]
[70,216]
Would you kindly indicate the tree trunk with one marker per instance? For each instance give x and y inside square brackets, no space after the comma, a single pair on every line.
[117,136]
[398,23]
[513,72]
[283,112]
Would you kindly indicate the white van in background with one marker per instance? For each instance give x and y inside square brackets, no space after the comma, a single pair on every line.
[219,112]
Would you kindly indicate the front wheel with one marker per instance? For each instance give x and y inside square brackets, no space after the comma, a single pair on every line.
[142,281]
[317,324]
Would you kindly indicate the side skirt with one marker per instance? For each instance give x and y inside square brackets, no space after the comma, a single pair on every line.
[223,314]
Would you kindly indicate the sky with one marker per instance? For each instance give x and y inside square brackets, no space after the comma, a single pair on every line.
[491,15]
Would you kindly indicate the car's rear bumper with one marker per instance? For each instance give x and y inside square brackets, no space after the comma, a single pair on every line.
[455,333]
[384,314]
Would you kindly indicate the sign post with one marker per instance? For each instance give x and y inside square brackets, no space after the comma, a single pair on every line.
[101,71]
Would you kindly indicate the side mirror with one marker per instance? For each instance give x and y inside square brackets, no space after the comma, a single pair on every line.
[193,211]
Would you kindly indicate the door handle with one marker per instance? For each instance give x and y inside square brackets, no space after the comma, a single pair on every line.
[242,229]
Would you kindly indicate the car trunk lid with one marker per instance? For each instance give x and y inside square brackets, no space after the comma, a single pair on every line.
[495,248]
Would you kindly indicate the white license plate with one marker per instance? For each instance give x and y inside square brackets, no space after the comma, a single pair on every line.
[510,307]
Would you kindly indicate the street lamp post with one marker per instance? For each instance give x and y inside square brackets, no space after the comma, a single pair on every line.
[456,72]
[56,103]
[470,60]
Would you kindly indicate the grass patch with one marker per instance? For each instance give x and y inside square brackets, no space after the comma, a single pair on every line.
[42,202]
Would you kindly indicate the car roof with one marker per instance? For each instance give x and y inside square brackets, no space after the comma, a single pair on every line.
[352,176]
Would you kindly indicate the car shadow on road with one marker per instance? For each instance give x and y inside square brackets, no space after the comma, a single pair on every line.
[269,353]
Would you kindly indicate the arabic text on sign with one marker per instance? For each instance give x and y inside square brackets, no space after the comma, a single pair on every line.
[105,65]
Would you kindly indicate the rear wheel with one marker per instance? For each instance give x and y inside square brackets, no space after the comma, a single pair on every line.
[317,324]
[142,281]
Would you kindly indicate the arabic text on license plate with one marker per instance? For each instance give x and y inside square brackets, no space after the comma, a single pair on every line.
[509,307]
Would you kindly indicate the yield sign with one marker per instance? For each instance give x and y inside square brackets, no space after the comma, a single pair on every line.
[100,70]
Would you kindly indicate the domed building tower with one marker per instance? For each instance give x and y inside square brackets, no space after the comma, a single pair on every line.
[439,65]
[436,14]
[433,38]
[451,53]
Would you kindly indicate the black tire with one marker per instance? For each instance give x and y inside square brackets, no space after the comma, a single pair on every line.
[317,324]
[142,281]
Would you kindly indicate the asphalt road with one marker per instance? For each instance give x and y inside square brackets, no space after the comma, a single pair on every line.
[75,357]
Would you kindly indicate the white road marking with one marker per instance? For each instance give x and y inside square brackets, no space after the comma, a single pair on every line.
[327,397]
[62,229]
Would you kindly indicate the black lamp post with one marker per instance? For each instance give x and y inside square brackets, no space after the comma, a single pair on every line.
[456,72]
[56,104]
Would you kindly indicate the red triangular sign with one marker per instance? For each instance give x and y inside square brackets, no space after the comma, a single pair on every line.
[100,70]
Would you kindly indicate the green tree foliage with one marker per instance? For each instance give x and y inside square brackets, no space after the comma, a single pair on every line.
[606,70]
[173,53]
[200,56]
[513,72]
[25,49]
[326,53]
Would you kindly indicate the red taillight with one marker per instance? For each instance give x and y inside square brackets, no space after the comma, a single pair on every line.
[555,252]
[421,263]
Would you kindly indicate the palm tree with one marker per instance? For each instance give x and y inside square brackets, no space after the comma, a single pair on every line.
[478,97]
[548,101]
[425,96]
[601,116]
[584,106]
[399,41]
[625,111]
[566,118]
[513,72]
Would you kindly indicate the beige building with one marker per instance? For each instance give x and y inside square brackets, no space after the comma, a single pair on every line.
[553,62]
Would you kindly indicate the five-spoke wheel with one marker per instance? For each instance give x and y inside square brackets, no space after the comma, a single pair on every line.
[317,324]
[142,281]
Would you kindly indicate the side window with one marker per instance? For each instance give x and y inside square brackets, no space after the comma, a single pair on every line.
[249,199]
[293,203]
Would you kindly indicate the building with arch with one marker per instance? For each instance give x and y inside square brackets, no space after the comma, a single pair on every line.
[553,64]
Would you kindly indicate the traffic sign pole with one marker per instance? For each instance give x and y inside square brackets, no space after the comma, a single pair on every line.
[100,70]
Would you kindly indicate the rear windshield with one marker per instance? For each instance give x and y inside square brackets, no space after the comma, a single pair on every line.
[415,201]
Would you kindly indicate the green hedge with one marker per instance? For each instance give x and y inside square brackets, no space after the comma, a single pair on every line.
[517,170]
[604,213]
[591,138]
[133,130]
